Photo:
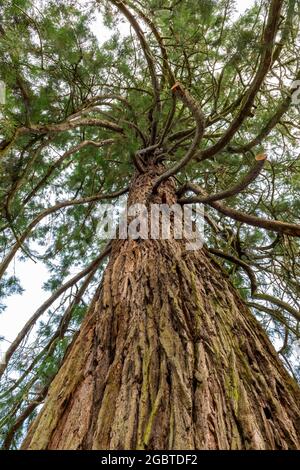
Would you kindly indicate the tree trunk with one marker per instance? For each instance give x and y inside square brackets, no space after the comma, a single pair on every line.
[168,357]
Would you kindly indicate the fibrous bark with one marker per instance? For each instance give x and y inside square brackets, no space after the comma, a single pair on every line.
[168,357]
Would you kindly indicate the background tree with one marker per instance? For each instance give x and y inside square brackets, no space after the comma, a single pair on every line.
[184,107]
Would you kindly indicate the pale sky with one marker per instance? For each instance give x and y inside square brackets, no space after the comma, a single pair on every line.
[102,33]
[33,275]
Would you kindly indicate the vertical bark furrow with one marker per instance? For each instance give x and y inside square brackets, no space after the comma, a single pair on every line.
[168,357]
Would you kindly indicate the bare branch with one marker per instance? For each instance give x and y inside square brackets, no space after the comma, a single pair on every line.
[60,331]
[167,71]
[6,145]
[269,298]
[70,124]
[24,415]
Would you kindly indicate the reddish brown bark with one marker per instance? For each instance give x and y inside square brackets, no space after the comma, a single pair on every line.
[168,357]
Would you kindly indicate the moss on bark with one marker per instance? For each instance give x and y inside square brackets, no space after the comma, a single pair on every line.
[168,357]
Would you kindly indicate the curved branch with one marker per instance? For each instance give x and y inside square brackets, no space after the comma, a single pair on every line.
[267,128]
[239,262]
[181,93]
[275,314]
[269,36]
[270,246]
[147,52]
[283,107]
[239,187]
[24,415]
[91,103]
[273,225]
[280,303]
[23,178]
[269,298]
[168,122]
[5,146]
[48,303]
[68,125]
[137,160]
[166,65]
[60,331]
[58,162]
[286,30]
[71,123]
[51,210]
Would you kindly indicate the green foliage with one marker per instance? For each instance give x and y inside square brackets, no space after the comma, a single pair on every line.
[9,285]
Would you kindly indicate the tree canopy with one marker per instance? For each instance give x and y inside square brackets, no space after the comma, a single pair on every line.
[212,91]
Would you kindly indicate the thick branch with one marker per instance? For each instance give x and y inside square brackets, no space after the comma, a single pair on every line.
[273,225]
[70,124]
[5,145]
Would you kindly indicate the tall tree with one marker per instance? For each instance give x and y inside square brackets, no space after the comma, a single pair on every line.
[165,348]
